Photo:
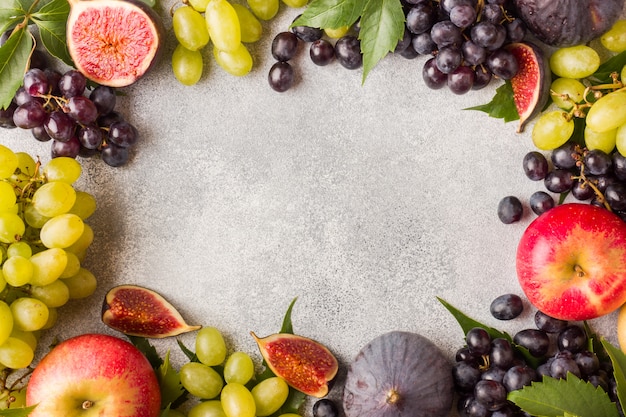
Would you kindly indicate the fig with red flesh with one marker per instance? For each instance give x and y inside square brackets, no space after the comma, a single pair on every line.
[138,311]
[531,84]
[113,42]
[399,374]
[568,22]
[306,365]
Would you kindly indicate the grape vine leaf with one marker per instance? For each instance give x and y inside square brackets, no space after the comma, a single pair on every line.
[382,24]
[614,64]
[10,15]
[169,381]
[14,57]
[562,397]
[618,360]
[51,20]
[147,349]
[501,105]
[17,412]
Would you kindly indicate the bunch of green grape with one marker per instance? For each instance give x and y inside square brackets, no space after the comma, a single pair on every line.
[43,240]
[599,106]
[225,383]
[228,26]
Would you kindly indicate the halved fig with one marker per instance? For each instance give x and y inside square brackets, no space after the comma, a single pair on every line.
[306,365]
[531,84]
[113,42]
[138,311]
[399,374]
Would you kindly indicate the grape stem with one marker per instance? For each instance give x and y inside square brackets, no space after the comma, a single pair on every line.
[578,155]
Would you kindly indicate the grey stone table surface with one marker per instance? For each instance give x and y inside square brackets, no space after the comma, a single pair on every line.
[365,201]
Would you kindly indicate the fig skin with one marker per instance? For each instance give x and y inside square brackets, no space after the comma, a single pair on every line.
[306,365]
[109,69]
[138,311]
[568,22]
[399,374]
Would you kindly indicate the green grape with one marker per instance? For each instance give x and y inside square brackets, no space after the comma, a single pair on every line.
[63,169]
[615,39]
[296,4]
[251,28]
[12,227]
[7,196]
[16,354]
[239,368]
[20,249]
[18,271]
[237,62]
[237,401]
[3,282]
[605,141]
[210,346]
[573,89]
[199,5]
[84,206]
[552,130]
[6,322]
[8,162]
[81,285]
[52,318]
[34,218]
[264,9]
[608,112]
[620,139]
[187,65]
[223,24]
[48,265]
[269,395]
[207,409]
[53,295]
[190,28]
[26,169]
[28,337]
[54,198]
[29,314]
[201,380]
[574,61]
[336,33]
[82,244]
[72,267]
[62,231]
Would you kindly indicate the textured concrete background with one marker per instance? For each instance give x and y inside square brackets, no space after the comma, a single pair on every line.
[365,201]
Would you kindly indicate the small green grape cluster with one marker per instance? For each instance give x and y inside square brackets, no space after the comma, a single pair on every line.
[43,241]
[599,106]
[225,383]
[227,25]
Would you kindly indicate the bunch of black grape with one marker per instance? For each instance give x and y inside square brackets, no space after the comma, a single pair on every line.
[58,107]
[467,39]
[488,369]
[588,175]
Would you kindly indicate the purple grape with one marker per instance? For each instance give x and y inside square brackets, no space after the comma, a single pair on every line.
[72,83]
[432,76]
[502,64]
[35,82]
[6,116]
[510,210]
[104,98]
[284,46]
[461,80]
[71,148]
[540,202]
[423,44]
[482,77]
[60,126]
[420,18]
[281,76]
[307,33]
[473,54]
[535,165]
[82,109]
[123,134]
[29,115]
[348,52]
[322,52]
[39,133]
[463,15]
[90,136]
[446,33]
[115,156]
[449,59]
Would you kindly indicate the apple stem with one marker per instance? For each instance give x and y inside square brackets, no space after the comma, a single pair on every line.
[579,271]
[87,404]
[393,397]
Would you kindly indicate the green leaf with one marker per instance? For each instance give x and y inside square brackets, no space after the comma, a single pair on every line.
[188,352]
[614,64]
[382,26]
[287,326]
[147,349]
[501,106]
[618,359]
[14,57]
[10,14]
[51,20]
[562,397]
[17,412]
[169,381]
[330,14]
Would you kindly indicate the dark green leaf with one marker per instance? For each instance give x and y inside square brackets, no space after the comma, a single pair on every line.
[614,64]
[17,412]
[10,14]
[330,14]
[147,349]
[190,354]
[382,26]
[51,20]
[287,326]
[169,382]
[14,57]
[26,5]
[501,106]
[618,359]
[562,397]
[294,402]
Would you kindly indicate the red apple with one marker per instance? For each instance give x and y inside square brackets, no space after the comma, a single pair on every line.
[94,375]
[571,262]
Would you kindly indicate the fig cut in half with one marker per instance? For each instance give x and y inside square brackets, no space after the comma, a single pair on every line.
[399,374]
[113,42]
[306,365]
[138,311]
[531,84]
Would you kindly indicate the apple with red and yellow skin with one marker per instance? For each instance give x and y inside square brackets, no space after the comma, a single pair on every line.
[571,262]
[94,375]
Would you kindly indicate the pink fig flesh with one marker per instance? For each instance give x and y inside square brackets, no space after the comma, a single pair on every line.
[306,365]
[138,311]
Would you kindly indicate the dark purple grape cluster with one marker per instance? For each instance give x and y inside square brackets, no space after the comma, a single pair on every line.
[59,107]
[467,41]
[588,175]
[487,368]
